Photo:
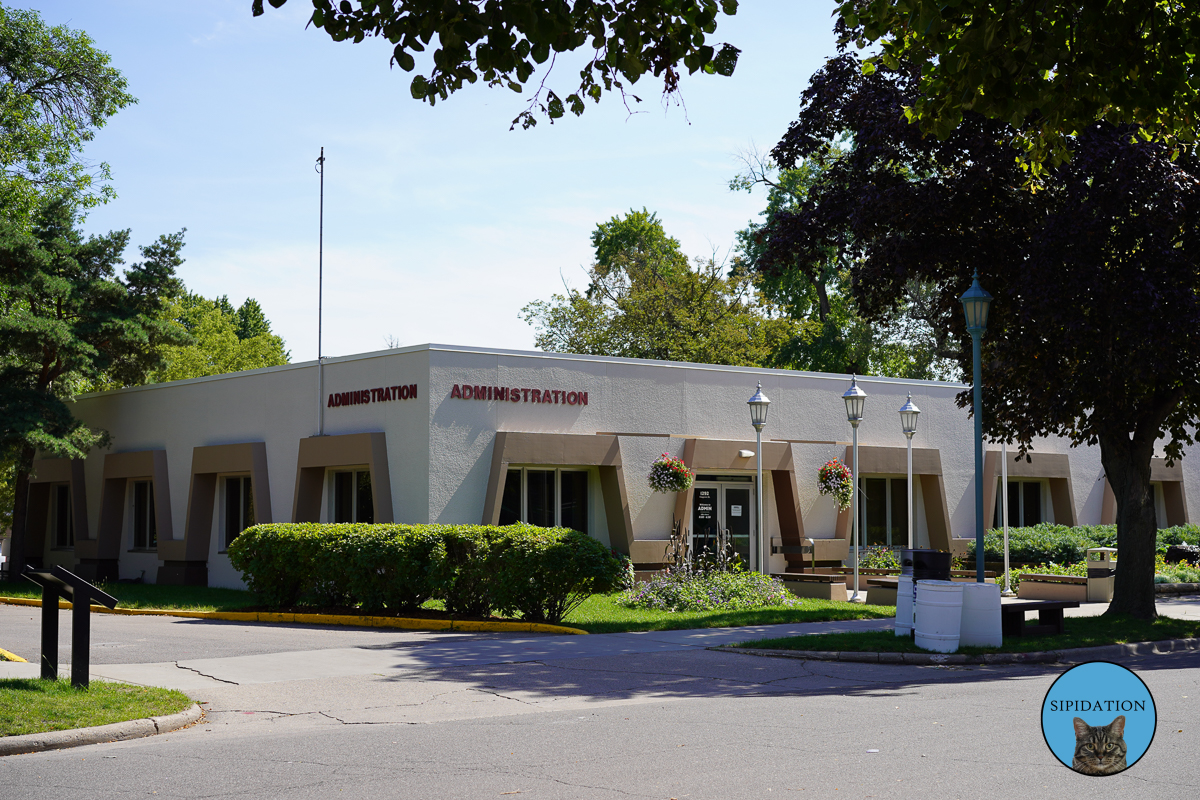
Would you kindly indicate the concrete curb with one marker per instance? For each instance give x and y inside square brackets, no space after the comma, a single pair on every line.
[116,732]
[1077,655]
[5,655]
[325,619]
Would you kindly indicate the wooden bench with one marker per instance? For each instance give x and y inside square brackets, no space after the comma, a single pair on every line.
[1050,617]
[823,586]
[1034,586]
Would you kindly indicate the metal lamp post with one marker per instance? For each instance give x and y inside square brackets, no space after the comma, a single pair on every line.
[758,418]
[855,399]
[908,423]
[976,303]
[1008,592]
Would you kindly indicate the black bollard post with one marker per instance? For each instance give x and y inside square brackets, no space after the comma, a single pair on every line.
[58,581]
[49,632]
[81,643]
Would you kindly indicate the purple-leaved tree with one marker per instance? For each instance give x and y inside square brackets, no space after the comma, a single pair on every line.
[1094,269]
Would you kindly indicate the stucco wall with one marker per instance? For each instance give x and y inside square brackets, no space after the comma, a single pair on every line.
[439,446]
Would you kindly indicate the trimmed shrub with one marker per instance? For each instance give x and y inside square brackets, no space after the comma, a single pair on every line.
[1078,570]
[545,573]
[275,561]
[1046,543]
[540,573]
[375,566]
[465,575]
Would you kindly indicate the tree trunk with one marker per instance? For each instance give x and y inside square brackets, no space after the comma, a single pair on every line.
[1127,466]
[16,562]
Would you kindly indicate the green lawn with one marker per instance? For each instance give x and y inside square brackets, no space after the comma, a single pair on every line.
[601,614]
[147,595]
[35,705]
[1080,632]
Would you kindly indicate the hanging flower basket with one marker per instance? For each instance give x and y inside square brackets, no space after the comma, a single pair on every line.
[669,474]
[834,479]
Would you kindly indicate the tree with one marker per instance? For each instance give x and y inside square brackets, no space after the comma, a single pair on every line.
[222,339]
[503,42]
[66,316]
[56,90]
[645,300]
[831,335]
[1095,276]
[1049,66]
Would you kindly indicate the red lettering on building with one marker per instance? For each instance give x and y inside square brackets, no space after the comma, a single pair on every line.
[381,394]
[512,394]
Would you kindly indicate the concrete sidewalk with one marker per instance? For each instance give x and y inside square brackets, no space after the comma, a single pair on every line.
[399,655]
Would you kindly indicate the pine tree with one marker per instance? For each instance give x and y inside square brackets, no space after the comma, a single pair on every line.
[67,317]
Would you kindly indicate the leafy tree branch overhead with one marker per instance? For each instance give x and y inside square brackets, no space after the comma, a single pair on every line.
[56,90]
[504,42]
[1050,67]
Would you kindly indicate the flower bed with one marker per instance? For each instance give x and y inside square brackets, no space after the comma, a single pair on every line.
[708,591]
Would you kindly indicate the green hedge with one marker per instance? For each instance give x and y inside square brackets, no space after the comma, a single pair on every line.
[1060,544]
[539,573]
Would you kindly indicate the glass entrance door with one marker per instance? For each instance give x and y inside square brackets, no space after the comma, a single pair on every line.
[723,503]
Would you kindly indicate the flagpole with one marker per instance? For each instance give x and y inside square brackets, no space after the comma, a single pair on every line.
[320,296]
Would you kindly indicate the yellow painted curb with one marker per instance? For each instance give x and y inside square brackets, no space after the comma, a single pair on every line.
[325,619]
[7,656]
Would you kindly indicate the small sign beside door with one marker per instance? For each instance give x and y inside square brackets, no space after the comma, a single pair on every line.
[735,511]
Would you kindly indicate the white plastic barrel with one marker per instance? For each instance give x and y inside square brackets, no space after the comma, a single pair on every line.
[939,615]
[981,616]
[904,606]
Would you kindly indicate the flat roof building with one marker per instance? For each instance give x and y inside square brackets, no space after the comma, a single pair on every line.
[447,434]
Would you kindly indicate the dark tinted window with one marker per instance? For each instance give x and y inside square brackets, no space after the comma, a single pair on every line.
[574,500]
[1032,513]
[64,529]
[874,505]
[539,496]
[510,504]
[343,497]
[364,503]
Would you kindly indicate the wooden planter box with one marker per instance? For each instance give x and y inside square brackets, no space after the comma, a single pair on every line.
[1052,587]
[822,587]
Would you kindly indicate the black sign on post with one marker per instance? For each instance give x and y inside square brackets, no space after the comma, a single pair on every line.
[57,582]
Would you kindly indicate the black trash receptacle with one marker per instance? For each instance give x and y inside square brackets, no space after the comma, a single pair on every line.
[925,565]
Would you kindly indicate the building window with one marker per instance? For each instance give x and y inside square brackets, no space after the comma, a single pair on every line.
[884,507]
[239,507]
[352,501]
[62,519]
[145,528]
[546,497]
[1024,505]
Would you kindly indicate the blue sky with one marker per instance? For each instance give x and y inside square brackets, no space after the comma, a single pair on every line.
[440,223]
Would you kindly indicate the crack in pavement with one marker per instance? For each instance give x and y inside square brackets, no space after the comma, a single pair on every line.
[344,722]
[205,675]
